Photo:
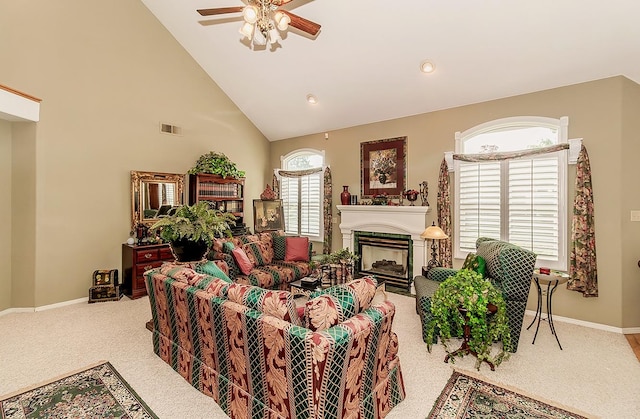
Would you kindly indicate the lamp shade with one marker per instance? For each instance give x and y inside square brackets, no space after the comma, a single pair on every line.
[434,232]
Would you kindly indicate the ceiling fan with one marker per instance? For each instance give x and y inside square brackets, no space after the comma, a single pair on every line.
[263,19]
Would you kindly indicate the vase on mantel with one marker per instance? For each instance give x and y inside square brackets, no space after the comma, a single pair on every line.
[345,196]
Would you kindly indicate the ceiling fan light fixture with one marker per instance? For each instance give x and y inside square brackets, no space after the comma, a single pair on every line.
[259,38]
[247,30]
[250,14]
[274,35]
[282,20]
[427,67]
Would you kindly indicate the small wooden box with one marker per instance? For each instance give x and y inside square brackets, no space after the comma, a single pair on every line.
[105,277]
[104,293]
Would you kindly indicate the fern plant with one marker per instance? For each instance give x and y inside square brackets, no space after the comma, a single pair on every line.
[462,300]
[198,222]
[216,164]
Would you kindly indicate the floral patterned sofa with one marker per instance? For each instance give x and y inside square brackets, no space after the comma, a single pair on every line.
[266,252]
[248,349]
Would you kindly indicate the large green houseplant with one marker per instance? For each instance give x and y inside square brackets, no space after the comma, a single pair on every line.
[192,229]
[463,300]
[217,164]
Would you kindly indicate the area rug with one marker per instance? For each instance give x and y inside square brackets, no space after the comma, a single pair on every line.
[469,396]
[97,391]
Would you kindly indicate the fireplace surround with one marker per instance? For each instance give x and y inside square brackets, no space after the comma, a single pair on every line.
[409,221]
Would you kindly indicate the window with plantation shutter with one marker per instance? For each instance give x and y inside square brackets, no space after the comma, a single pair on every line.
[302,196]
[521,200]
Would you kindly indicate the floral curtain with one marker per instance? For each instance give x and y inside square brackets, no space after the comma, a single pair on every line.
[328,212]
[583,270]
[444,215]
[275,185]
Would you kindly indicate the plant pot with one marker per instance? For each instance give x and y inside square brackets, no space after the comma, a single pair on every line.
[382,177]
[186,250]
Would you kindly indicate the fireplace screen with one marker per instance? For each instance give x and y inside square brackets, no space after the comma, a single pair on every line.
[385,255]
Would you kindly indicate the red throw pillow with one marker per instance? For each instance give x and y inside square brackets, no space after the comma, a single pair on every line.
[296,249]
[242,260]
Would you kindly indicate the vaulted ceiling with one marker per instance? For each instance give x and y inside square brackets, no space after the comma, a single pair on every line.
[363,66]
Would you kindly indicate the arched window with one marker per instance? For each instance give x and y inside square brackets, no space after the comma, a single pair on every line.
[519,200]
[301,191]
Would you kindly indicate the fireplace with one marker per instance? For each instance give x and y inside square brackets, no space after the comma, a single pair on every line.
[406,221]
[389,256]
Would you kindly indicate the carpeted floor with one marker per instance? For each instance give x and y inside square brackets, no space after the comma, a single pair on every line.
[596,372]
[97,391]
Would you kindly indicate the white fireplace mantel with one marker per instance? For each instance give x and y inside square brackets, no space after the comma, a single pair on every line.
[409,220]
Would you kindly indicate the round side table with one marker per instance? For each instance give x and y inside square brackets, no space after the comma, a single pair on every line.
[551,280]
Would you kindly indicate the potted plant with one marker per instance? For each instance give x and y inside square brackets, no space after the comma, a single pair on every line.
[466,299]
[217,164]
[192,228]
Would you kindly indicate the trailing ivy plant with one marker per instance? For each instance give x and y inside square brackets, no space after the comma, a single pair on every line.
[467,294]
[339,257]
[194,222]
[217,164]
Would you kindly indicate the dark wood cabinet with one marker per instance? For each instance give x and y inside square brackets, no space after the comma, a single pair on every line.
[138,259]
[225,194]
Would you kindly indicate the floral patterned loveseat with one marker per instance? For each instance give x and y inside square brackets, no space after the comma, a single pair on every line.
[266,251]
[248,349]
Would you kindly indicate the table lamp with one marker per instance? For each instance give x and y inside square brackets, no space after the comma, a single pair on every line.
[434,233]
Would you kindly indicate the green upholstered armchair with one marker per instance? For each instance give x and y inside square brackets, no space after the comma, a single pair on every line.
[509,268]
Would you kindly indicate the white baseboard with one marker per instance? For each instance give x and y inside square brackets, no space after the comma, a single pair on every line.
[43,308]
[625,331]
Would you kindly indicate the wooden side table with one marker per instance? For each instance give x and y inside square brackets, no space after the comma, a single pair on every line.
[551,280]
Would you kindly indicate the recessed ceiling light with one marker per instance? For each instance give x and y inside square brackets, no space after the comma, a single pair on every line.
[312,99]
[427,67]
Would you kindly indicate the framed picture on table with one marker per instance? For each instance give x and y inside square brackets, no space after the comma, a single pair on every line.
[267,215]
[383,167]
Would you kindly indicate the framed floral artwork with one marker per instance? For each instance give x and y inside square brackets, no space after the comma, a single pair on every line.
[268,215]
[383,167]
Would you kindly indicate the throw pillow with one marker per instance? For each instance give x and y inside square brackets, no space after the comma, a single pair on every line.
[279,244]
[278,304]
[296,249]
[475,263]
[227,247]
[333,306]
[210,268]
[336,304]
[242,260]
[259,254]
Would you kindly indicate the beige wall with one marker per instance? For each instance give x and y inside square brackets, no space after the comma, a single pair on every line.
[595,112]
[630,200]
[5,214]
[23,214]
[108,73]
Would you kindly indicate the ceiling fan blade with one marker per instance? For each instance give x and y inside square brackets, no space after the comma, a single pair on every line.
[303,24]
[220,11]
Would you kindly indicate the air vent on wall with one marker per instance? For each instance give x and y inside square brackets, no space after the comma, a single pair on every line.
[170,129]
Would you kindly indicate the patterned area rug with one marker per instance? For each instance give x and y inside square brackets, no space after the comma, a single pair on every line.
[95,392]
[467,396]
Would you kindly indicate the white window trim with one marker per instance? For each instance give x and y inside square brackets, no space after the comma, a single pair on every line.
[293,154]
[562,125]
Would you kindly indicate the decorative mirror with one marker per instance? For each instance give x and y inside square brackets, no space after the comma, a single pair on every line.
[154,195]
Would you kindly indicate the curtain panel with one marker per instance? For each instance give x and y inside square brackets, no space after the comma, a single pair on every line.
[328,212]
[510,154]
[583,270]
[443,207]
